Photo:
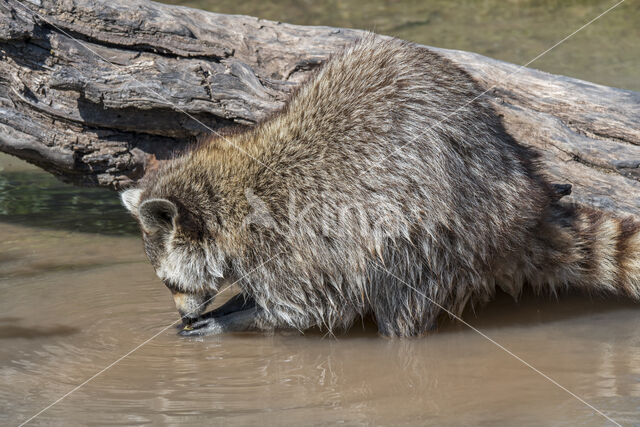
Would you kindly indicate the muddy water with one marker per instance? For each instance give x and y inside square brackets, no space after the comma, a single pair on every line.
[78,294]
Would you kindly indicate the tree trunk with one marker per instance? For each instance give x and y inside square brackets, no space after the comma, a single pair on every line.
[96,92]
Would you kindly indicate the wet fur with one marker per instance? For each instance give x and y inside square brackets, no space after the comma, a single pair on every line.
[454,213]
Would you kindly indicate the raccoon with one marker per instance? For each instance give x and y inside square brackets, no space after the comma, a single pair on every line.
[386,187]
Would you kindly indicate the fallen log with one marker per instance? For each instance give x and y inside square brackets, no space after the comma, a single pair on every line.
[98,92]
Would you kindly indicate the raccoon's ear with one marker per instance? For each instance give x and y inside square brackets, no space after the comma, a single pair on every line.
[131,199]
[156,214]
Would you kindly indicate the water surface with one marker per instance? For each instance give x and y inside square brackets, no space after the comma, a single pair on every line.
[78,294]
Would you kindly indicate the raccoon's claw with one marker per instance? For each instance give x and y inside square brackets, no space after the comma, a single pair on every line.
[184,325]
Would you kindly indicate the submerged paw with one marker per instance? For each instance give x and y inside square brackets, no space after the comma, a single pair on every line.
[202,327]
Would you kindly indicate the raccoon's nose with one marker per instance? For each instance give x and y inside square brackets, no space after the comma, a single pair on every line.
[186,319]
[189,306]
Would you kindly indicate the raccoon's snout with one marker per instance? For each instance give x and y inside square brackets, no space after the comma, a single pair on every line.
[191,306]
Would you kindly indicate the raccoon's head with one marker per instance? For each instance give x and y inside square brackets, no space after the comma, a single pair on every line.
[180,248]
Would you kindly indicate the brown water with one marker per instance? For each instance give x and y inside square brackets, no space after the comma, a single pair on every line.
[74,302]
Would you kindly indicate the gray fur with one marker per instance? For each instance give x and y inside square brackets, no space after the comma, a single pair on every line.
[381,171]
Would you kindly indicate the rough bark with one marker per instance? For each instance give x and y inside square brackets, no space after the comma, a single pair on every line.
[147,78]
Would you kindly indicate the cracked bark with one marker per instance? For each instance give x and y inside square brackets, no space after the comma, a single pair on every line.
[149,78]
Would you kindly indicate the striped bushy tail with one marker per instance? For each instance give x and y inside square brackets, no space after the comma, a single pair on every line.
[584,248]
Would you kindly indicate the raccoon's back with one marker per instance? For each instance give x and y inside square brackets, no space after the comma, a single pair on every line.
[406,133]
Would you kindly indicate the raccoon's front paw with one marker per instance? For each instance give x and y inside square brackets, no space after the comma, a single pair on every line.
[238,321]
[210,326]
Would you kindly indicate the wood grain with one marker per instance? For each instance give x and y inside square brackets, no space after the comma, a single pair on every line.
[149,78]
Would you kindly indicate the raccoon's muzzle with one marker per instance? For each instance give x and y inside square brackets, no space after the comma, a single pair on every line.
[191,306]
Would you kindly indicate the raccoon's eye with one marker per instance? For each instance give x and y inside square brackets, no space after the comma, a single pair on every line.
[172,286]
